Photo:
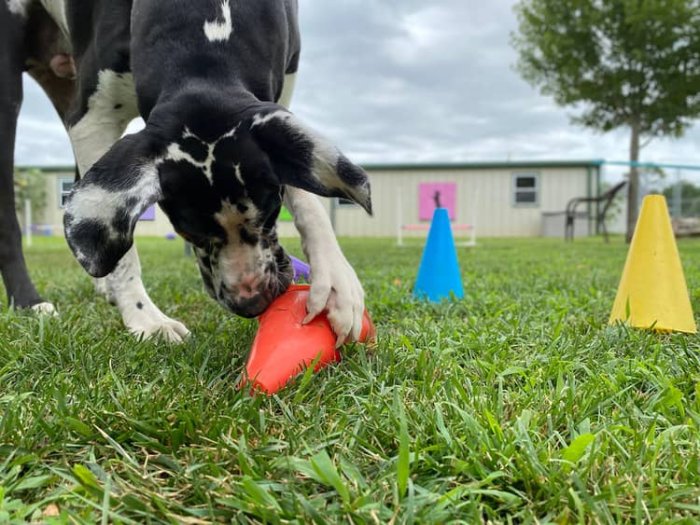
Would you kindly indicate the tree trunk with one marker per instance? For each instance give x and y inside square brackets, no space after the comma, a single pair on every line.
[633,184]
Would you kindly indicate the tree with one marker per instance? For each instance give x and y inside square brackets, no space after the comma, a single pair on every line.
[620,63]
[30,185]
[690,198]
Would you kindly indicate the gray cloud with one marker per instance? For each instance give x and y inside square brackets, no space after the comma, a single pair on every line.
[410,81]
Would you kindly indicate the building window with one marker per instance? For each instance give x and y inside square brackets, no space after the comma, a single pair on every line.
[64,188]
[526,188]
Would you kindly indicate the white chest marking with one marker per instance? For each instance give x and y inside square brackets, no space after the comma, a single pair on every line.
[103,124]
[220,29]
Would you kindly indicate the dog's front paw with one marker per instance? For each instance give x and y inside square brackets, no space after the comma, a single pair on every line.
[157,327]
[336,289]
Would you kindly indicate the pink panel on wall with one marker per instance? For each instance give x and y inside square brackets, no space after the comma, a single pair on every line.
[426,199]
[149,214]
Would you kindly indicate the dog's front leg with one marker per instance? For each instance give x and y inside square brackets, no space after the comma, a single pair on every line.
[141,316]
[109,110]
[334,283]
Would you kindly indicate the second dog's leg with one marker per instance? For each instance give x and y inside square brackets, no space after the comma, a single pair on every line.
[20,290]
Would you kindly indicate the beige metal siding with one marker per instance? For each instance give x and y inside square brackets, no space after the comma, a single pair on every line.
[484,196]
[52,215]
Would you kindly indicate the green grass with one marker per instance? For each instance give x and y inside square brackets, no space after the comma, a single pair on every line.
[517,404]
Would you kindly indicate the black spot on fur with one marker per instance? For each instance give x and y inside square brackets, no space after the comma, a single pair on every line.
[195,148]
[190,202]
[205,260]
[122,221]
[118,106]
[247,237]
[284,143]
[207,281]
[92,241]
[242,208]
[225,151]
[349,173]
[284,268]
[117,170]
[226,181]
[139,305]
[88,233]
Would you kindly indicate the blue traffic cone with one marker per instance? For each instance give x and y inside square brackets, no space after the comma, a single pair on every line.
[439,276]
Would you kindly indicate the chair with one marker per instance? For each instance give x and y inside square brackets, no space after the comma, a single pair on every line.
[605,199]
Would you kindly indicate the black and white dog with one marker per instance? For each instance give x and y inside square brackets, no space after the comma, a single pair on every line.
[220,152]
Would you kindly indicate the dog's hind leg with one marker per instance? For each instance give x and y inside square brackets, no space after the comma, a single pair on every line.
[20,290]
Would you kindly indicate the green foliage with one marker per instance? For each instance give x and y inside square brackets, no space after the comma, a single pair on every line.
[690,198]
[632,63]
[577,448]
[518,404]
[30,185]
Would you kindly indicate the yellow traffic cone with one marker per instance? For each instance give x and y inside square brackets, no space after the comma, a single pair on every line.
[652,291]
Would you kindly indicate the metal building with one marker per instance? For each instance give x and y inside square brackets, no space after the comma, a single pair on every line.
[497,198]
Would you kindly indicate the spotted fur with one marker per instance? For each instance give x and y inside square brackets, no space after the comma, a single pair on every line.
[218,154]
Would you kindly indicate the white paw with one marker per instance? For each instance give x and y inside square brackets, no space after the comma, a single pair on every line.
[336,289]
[45,309]
[158,327]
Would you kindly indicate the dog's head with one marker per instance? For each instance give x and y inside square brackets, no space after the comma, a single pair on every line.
[221,187]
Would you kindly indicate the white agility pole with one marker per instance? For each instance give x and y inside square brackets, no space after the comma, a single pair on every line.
[28,221]
[472,231]
[399,219]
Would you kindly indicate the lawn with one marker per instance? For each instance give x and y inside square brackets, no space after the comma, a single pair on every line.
[517,404]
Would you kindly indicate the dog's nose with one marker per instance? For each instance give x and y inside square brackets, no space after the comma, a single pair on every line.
[249,286]
[252,294]
[249,297]
[250,307]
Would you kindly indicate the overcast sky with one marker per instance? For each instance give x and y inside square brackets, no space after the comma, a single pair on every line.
[409,81]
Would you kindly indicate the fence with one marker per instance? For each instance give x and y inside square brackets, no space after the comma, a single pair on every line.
[679,183]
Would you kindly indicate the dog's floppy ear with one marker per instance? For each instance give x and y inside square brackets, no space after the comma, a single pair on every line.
[306,160]
[104,206]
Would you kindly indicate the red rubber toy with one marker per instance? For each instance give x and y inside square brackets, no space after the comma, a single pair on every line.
[283,347]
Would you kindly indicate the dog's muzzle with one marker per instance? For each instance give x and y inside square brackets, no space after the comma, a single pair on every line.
[252,295]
